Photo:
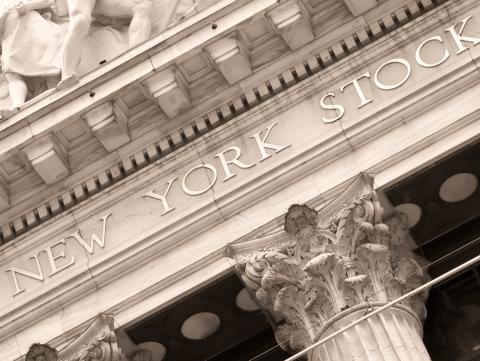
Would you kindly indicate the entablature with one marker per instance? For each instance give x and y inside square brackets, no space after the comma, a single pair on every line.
[170,90]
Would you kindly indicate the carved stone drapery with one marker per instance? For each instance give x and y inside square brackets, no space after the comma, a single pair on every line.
[97,343]
[328,269]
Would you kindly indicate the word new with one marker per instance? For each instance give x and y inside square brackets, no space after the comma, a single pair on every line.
[56,256]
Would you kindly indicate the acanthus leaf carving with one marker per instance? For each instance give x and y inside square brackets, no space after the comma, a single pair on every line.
[292,303]
[103,348]
[408,276]
[326,262]
[97,343]
[290,338]
[325,271]
[373,260]
[356,289]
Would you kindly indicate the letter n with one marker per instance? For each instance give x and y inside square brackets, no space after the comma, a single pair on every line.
[36,276]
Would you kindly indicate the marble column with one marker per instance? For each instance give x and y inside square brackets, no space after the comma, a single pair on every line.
[97,343]
[327,269]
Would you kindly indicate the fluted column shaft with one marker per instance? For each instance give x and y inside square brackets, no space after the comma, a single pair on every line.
[393,335]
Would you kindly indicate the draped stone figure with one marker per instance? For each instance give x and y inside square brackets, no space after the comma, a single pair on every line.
[44,41]
[31,46]
[80,13]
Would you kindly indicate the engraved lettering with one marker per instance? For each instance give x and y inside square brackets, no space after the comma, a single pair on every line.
[192,192]
[418,53]
[89,247]
[384,86]
[358,89]
[262,145]
[163,197]
[458,37]
[234,161]
[36,276]
[52,258]
[337,107]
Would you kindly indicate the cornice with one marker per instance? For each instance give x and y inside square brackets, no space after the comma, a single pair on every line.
[139,54]
[128,164]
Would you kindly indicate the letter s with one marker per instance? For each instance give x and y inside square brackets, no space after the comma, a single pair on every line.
[337,107]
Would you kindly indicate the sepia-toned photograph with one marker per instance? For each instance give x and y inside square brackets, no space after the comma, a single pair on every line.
[240,180]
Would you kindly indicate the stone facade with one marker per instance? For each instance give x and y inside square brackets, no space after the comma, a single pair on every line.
[119,194]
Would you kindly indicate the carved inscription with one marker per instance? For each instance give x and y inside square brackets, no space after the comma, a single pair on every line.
[229,158]
[455,32]
[56,257]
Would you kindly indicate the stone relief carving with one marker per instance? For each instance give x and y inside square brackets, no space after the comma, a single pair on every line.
[97,343]
[331,263]
[80,14]
[40,352]
[102,347]
[31,44]
[51,43]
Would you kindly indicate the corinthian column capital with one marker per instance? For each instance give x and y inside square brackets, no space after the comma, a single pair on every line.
[334,265]
[97,343]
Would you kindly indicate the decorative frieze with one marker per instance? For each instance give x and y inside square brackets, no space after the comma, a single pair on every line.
[49,159]
[358,7]
[109,125]
[326,266]
[170,90]
[292,24]
[230,58]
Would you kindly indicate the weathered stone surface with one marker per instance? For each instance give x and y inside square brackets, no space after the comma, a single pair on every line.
[49,159]
[170,91]
[97,343]
[292,24]
[108,126]
[230,58]
[328,265]
[41,352]
[358,7]
[4,197]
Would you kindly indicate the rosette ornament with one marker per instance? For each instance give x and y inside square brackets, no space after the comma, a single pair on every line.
[328,268]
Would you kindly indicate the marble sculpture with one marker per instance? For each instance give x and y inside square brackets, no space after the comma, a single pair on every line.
[48,44]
